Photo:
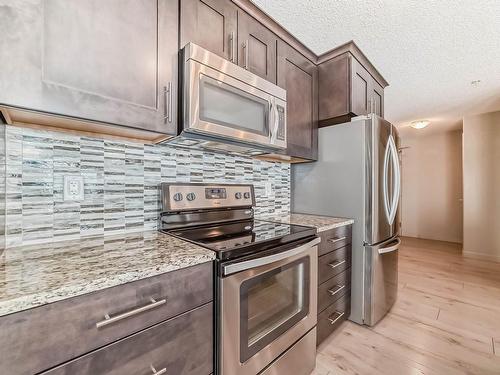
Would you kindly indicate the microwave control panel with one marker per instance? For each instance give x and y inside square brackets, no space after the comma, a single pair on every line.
[281,122]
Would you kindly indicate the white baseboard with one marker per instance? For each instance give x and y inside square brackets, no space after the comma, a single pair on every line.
[473,254]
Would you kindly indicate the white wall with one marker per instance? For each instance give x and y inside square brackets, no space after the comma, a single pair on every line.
[432,185]
[482,185]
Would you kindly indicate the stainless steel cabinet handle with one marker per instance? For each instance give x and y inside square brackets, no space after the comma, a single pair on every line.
[110,320]
[231,46]
[337,239]
[340,314]
[167,97]
[245,54]
[336,264]
[159,372]
[339,288]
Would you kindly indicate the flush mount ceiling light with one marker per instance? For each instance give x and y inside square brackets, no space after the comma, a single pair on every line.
[420,124]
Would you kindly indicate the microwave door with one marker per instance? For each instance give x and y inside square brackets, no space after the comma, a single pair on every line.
[222,106]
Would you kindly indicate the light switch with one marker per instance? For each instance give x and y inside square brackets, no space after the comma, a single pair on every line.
[73,188]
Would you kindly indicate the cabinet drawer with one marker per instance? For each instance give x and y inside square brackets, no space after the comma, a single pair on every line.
[333,263]
[46,336]
[181,346]
[332,317]
[334,238]
[331,290]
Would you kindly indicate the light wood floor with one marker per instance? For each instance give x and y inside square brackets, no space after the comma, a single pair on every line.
[446,320]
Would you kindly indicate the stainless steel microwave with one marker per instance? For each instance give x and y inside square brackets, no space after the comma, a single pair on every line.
[223,102]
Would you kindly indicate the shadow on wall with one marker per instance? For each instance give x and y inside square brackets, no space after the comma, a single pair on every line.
[2,186]
[431,202]
[482,185]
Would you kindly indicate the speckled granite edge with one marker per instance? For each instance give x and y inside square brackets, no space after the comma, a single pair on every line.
[34,276]
[321,223]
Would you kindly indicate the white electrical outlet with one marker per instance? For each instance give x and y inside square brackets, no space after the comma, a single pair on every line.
[73,188]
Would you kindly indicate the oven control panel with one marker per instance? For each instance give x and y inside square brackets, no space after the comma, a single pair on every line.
[181,197]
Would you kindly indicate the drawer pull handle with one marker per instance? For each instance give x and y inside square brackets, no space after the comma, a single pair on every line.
[110,320]
[337,263]
[337,239]
[336,319]
[333,292]
[159,372]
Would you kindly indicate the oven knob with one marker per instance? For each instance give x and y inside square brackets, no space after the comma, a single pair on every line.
[247,195]
[191,197]
[237,195]
[177,197]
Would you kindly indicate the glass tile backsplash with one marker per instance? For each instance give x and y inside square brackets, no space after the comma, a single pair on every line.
[120,180]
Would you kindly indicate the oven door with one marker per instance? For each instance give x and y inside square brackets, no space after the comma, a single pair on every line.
[266,305]
[219,105]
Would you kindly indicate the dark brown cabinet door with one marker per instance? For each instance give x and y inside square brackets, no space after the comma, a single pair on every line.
[347,89]
[112,61]
[211,24]
[181,346]
[299,77]
[377,99]
[361,87]
[256,47]
[334,88]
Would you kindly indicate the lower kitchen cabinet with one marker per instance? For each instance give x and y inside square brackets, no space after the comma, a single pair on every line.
[182,346]
[334,280]
[126,329]
[299,77]
[331,318]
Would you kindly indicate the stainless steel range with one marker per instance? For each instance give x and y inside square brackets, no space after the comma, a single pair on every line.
[266,286]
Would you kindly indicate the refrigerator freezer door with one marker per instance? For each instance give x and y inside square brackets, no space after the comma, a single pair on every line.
[382,178]
[381,279]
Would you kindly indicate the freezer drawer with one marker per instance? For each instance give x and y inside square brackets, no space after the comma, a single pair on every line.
[381,279]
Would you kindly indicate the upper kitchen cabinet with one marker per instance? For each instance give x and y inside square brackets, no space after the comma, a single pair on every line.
[212,24]
[110,62]
[256,47]
[349,85]
[299,77]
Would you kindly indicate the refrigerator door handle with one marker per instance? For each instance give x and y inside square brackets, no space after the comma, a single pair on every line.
[389,249]
[385,191]
[397,179]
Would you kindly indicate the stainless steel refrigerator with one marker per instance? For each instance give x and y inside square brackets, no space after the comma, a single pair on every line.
[358,175]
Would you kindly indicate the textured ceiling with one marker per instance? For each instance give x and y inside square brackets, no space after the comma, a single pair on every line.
[428,51]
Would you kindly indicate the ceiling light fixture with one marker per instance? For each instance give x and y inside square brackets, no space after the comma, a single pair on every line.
[420,124]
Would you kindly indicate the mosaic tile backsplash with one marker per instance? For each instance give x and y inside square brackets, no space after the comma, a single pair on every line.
[121,183]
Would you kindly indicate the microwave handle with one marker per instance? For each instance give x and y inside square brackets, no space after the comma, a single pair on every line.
[271,119]
[274,120]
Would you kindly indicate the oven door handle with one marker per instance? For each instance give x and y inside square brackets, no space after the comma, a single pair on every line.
[248,264]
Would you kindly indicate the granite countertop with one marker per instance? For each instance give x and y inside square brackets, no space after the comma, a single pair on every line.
[35,275]
[321,223]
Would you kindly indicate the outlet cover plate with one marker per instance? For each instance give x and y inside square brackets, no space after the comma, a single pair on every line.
[73,188]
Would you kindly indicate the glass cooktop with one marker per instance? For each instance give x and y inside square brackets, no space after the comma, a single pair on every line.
[235,239]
